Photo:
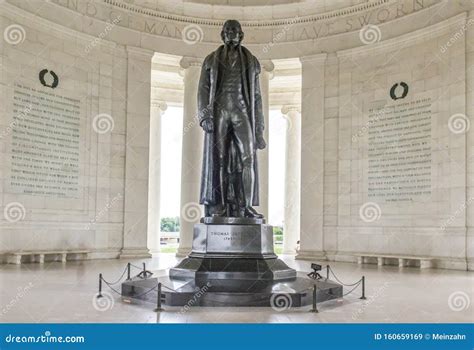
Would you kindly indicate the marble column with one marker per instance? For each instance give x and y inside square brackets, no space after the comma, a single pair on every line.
[312,157]
[193,137]
[158,108]
[291,223]
[137,153]
[470,140]
[265,77]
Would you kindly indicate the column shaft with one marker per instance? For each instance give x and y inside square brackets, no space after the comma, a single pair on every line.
[157,110]
[137,153]
[265,77]
[291,226]
[193,137]
[312,157]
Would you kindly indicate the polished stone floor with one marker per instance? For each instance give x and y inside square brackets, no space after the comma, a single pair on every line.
[66,293]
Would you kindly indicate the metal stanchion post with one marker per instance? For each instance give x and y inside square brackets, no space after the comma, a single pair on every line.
[144,270]
[363,288]
[100,286]
[128,272]
[327,272]
[158,299]
[315,306]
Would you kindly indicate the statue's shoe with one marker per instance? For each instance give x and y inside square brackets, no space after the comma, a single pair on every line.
[252,213]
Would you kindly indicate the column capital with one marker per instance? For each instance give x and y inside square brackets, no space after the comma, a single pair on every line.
[161,105]
[286,109]
[187,62]
[267,65]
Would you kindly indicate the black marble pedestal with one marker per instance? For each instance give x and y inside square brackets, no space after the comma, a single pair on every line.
[232,263]
[296,292]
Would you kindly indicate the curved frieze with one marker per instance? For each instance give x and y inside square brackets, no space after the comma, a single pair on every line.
[357,26]
[292,29]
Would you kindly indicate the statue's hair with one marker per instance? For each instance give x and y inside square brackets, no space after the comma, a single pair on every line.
[229,21]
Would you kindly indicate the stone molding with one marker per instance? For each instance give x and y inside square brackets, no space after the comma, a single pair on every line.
[249,23]
[138,51]
[405,40]
[187,62]
[319,58]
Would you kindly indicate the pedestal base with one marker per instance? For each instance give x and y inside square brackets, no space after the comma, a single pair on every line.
[232,263]
[296,292]
[253,269]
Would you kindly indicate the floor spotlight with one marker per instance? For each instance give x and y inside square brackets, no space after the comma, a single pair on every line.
[315,274]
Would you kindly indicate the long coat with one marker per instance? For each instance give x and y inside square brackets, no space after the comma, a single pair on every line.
[206,95]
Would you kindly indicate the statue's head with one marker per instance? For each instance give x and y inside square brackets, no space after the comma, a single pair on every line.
[232,33]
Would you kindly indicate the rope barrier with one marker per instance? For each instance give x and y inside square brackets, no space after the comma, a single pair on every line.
[160,285]
[120,278]
[344,284]
[137,267]
[138,295]
[123,274]
[344,294]
[113,289]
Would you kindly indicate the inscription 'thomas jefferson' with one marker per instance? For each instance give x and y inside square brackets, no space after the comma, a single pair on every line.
[400,151]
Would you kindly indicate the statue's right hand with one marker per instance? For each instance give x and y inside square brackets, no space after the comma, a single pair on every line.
[208,125]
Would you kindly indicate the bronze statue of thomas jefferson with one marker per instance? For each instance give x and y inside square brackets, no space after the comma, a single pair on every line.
[230,112]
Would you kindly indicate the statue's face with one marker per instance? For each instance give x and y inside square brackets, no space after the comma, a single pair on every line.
[232,33]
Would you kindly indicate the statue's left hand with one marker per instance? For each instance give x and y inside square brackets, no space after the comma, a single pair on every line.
[261,144]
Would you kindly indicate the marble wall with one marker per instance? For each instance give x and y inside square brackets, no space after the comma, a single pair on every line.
[38,213]
[401,172]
